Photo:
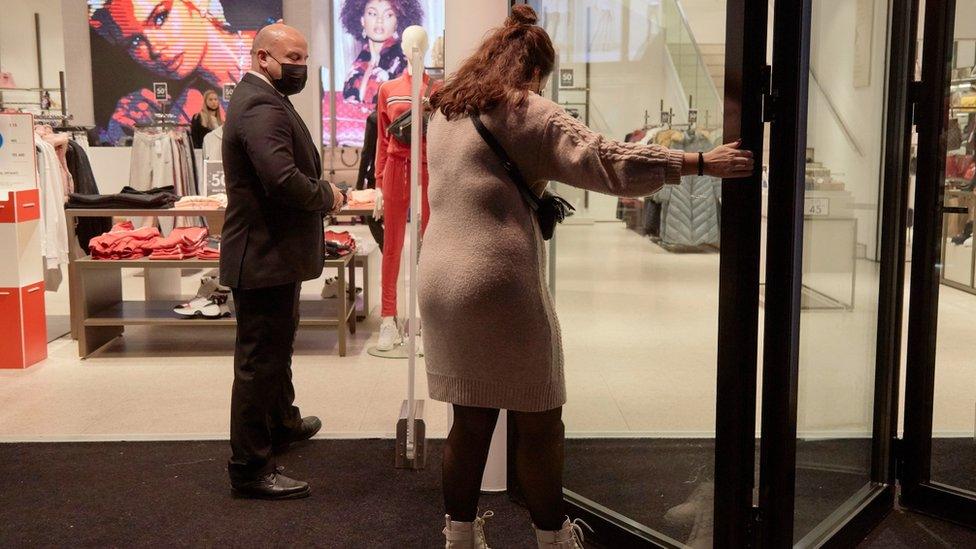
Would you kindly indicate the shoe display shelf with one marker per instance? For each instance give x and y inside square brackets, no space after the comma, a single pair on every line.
[99,314]
[22,316]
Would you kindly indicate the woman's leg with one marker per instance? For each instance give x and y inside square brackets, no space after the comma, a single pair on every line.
[539,465]
[465,454]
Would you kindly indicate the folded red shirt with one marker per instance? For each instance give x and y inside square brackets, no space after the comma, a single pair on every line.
[123,242]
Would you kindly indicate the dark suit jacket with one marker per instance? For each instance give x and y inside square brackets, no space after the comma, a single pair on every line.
[273,230]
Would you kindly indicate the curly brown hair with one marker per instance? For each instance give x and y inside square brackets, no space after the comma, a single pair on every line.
[501,70]
[408,12]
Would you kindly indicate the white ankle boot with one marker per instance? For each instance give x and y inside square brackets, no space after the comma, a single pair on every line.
[466,535]
[570,536]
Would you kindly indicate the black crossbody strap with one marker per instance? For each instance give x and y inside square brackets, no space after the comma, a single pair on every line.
[510,167]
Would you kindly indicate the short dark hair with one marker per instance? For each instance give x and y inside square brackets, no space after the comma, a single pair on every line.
[409,12]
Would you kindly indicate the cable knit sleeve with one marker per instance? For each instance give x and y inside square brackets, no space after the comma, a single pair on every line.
[577,156]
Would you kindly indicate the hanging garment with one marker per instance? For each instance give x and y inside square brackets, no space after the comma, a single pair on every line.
[211,145]
[151,164]
[366,178]
[54,237]
[80,168]
[690,212]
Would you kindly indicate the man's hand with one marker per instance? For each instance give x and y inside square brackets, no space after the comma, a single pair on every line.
[338,199]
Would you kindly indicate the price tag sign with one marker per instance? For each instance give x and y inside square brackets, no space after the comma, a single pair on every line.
[17,165]
[665,117]
[161,90]
[692,116]
[213,175]
[567,78]
[229,91]
[816,207]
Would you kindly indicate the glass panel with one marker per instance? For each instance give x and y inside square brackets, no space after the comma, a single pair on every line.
[954,406]
[839,315]
[637,279]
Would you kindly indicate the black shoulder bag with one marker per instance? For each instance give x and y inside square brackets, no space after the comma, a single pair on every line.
[551,209]
[400,127]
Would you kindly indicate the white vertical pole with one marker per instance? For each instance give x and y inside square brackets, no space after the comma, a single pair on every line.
[417,79]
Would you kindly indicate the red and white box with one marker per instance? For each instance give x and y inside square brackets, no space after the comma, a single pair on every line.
[23,325]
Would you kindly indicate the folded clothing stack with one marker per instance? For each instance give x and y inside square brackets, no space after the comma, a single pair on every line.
[208,253]
[339,244]
[126,242]
[194,202]
[365,198]
[182,243]
[153,199]
[123,242]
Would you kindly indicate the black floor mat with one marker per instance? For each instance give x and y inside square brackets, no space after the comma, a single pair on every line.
[176,494]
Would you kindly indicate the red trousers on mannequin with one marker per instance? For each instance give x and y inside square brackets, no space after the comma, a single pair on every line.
[396,204]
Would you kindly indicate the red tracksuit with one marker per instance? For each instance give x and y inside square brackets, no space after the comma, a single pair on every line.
[393,180]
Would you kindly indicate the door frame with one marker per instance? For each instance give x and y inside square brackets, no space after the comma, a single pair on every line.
[919,491]
[857,516]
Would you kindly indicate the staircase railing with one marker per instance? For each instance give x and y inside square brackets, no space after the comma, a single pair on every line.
[689,62]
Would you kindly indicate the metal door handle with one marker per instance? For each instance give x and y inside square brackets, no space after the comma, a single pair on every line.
[954,210]
[34,289]
[29,204]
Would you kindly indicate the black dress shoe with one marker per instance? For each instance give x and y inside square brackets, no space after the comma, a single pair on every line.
[310,426]
[272,486]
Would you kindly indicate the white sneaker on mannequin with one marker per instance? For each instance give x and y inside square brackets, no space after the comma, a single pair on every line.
[570,536]
[466,535]
[389,334]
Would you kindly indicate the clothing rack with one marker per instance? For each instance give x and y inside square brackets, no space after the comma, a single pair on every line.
[163,121]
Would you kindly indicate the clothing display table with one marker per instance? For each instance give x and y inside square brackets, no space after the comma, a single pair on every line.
[99,313]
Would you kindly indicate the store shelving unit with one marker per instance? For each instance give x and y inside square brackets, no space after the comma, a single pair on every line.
[99,313]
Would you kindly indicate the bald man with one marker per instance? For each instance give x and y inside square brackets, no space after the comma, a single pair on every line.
[272,241]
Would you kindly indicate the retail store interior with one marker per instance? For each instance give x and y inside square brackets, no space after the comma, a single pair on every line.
[136,393]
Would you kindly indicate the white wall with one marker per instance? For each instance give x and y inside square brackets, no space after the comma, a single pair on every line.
[18,53]
[467,24]
[862,109]
[78,74]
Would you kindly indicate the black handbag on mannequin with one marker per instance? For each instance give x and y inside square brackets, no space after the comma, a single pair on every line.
[551,209]
[401,126]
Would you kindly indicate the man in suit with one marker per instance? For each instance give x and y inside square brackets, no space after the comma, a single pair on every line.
[272,241]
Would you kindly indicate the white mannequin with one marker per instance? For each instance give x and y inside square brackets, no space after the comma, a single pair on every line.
[414,38]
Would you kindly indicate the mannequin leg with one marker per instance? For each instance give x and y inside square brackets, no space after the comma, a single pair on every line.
[396,202]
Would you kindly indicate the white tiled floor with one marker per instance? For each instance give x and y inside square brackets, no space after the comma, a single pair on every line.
[639,329]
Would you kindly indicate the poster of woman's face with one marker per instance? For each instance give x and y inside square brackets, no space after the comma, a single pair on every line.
[191,45]
[367,54]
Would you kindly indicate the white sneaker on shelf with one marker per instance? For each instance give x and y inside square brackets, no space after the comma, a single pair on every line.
[389,334]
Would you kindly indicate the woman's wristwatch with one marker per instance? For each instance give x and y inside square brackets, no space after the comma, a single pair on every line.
[701,163]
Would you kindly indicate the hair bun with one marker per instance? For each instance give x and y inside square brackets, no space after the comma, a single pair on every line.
[522,14]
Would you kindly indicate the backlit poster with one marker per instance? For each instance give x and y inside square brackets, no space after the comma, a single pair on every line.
[368,53]
[190,45]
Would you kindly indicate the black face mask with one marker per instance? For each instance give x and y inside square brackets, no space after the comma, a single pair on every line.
[293,78]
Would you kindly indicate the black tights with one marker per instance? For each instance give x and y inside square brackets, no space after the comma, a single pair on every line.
[538,461]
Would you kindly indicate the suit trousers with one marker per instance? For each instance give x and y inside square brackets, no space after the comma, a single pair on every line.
[396,205]
[262,406]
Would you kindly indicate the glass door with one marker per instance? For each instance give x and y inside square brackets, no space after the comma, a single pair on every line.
[658,297]
[834,259]
[939,457]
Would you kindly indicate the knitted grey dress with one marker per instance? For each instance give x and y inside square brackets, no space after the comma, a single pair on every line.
[491,335]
